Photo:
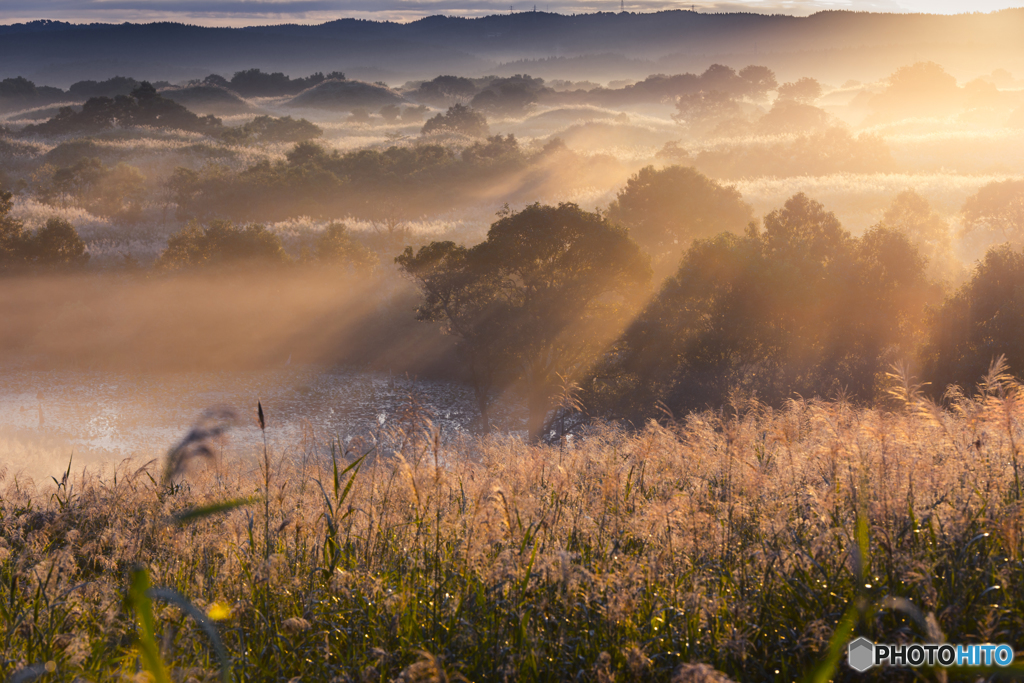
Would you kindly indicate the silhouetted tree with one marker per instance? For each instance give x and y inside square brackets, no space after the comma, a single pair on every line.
[221,243]
[307,152]
[509,96]
[758,81]
[911,214]
[17,87]
[533,303]
[359,115]
[253,82]
[495,150]
[56,244]
[143,107]
[217,80]
[724,79]
[667,209]
[705,108]
[921,89]
[805,90]
[446,90]
[981,321]
[12,235]
[112,87]
[800,306]
[336,246]
[414,114]
[792,116]
[458,119]
[270,129]
[996,212]
[981,94]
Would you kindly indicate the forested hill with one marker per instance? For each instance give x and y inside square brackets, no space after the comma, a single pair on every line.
[630,45]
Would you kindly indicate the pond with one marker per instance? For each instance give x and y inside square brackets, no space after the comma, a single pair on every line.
[103,417]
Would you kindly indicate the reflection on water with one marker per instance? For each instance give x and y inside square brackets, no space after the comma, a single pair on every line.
[105,416]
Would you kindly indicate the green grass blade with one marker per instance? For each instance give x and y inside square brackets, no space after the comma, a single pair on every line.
[138,600]
[826,669]
[179,600]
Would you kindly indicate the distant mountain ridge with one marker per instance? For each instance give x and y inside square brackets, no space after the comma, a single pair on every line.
[58,53]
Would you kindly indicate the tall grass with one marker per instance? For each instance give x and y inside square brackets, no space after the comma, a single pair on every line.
[741,540]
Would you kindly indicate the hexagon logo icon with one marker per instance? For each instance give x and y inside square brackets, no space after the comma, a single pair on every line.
[860,654]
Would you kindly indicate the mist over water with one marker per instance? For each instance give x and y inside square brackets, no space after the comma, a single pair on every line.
[102,417]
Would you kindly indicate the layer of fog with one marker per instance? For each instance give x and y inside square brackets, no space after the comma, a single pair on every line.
[124,362]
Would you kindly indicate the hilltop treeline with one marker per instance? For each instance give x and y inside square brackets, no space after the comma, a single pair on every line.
[21,92]
[377,184]
[631,43]
[507,95]
[144,106]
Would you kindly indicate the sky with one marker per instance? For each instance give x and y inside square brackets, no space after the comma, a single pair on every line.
[258,12]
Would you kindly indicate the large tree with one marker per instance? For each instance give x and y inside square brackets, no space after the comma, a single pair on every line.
[983,320]
[920,89]
[143,107]
[996,212]
[12,234]
[666,209]
[222,243]
[801,306]
[911,214]
[535,303]
[458,119]
[55,245]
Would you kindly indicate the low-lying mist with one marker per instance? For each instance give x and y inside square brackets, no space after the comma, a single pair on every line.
[234,320]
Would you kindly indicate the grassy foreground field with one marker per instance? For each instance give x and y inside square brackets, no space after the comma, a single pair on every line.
[745,540]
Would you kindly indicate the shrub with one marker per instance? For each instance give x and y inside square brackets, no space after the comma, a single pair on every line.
[221,243]
[143,107]
[337,246]
[458,119]
[56,244]
[270,129]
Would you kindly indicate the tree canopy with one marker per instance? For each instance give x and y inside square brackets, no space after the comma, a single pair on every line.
[983,320]
[532,304]
[55,245]
[911,214]
[221,243]
[667,209]
[143,107]
[336,246]
[800,306]
[458,119]
[996,212]
[920,89]
[804,90]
